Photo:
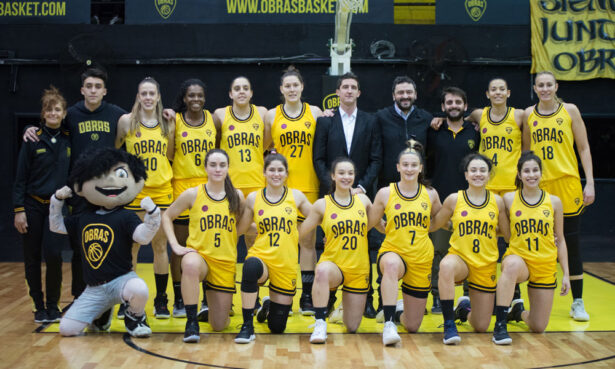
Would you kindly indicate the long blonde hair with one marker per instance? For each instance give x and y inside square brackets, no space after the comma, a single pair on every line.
[549,73]
[135,113]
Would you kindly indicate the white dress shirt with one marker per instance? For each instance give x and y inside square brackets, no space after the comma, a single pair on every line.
[348,123]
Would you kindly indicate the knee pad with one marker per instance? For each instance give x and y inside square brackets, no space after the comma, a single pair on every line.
[278,315]
[252,271]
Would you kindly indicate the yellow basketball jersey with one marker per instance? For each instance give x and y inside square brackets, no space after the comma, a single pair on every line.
[277,237]
[553,141]
[408,220]
[345,229]
[501,142]
[211,230]
[531,229]
[474,230]
[191,145]
[294,138]
[243,142]
[150,145]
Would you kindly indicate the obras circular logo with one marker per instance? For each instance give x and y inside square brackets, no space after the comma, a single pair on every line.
[331,101]
[165,7]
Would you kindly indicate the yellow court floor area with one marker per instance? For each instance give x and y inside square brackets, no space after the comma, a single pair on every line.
[599,297]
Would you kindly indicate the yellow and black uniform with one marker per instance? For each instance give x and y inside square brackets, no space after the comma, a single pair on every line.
[243,142]
[294,139]
[407,235]
[474,239]
[501,142]
[150,145]
[345,228]
[531,237]
[191,145]
[277,239]
[213,235]
[553,140]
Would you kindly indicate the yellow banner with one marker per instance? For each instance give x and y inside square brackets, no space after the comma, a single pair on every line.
[574,39]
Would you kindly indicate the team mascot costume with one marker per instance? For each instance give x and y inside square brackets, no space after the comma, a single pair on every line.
[108,179]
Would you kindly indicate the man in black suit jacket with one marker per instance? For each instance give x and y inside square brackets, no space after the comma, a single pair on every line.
[350,133]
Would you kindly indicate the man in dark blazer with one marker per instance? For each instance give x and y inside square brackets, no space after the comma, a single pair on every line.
[354,134]
[350,133]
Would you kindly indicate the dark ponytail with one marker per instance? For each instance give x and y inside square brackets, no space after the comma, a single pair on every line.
[416,148]
[338,160]
[234,203]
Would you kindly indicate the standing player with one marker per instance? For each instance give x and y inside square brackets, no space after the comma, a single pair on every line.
[151,137]
[553,128]
[195,135]
[475,213]
[210,253]
[345,260]
[536,244]
[42,168]
[293,125]
[407,251]
[274,253]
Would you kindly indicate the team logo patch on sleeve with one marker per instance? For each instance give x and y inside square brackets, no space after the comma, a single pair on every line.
[471,144]
[96,240]
[165,7]
[476,8]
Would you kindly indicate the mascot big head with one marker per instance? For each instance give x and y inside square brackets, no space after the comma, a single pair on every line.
[108,177]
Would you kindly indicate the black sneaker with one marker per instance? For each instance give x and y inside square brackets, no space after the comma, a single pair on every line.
[463,308]
[40,316]
[121,311]
[516,308]
[53,314]
[305,304]
[436,308]
[263,311]
[246,334]
[161,311]
[179,309]
[500,334]
[203,315]
[369,311]
[102,323]
[191,334]
[137,326]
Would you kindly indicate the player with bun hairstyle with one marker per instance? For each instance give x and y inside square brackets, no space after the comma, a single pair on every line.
[407,250]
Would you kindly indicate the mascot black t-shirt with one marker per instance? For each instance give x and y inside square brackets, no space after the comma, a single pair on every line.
[106,243]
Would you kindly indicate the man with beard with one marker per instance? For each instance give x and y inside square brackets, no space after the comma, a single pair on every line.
[447,147]
[400,122]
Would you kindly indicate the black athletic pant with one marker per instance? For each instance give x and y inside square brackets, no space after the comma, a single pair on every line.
[40,241]
[78,205]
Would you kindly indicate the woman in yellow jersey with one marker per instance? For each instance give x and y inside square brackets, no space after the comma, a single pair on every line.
[244,136]
[345,260]
[293,124]
[210,253]
[476,214]
[536,244]
[407,251]
[195,135]
[150,137]
[552,129]
[274,253]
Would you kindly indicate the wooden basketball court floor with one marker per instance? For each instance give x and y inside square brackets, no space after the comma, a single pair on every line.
[24,344]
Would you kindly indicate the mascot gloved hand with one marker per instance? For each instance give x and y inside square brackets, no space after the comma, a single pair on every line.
[108,179]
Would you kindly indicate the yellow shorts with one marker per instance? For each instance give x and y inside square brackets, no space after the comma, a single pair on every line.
[570,191]
[221,274]
[281,280]
[354,282]
[247,190]
[482,279]
[312,197]
[161,198]
[416,280]
[542,274]
[181,185]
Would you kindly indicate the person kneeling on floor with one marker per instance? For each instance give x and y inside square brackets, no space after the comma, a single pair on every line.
[108,179]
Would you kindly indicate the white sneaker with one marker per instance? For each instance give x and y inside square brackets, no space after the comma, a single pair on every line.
[380,317]
[389,334]
[319,335]
[337,316]
[577,311]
